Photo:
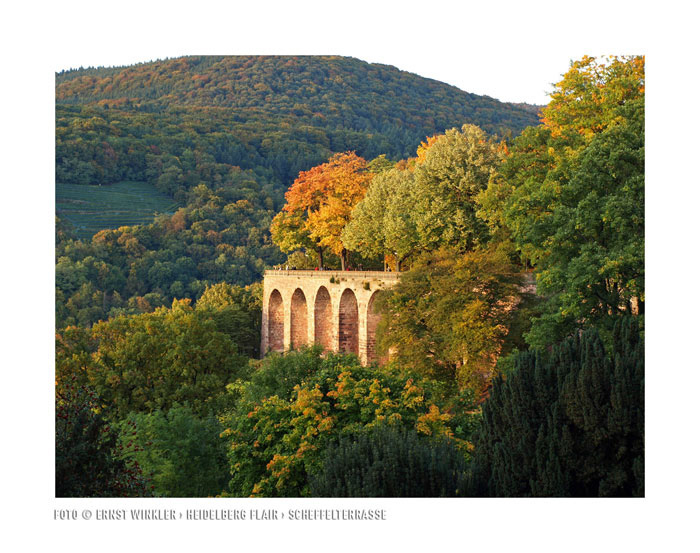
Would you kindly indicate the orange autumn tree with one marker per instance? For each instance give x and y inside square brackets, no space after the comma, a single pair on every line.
[425,146]
[319,204]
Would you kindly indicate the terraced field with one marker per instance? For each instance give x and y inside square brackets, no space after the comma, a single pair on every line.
[93,208]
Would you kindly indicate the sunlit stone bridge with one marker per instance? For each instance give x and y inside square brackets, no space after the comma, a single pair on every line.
[332,308]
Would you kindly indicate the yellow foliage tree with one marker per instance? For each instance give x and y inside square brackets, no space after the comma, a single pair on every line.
[589,97]
[319,204]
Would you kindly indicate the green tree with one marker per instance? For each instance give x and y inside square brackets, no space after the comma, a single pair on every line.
[87,453]
[448,316]
[571,196]
[382,223]
[427,202]
[154,360]
[182,454]
[455,167]
[594,270]
[567,424]
[391,462]
[237,312]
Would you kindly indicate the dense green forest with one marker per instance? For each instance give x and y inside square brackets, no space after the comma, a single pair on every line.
[223,137]
[515,335]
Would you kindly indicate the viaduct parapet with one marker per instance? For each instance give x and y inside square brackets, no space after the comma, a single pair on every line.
[332,308]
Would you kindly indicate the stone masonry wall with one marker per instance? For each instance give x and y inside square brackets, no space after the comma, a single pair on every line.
[372,322]
[299,320]
[323,319]
[305,307]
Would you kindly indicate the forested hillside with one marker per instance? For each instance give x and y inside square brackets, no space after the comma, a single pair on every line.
[279,113]
[511,346]
[322,91]
[224,137]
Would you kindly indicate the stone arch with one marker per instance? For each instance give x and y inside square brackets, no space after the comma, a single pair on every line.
[275,322]
[373,317]
[323,319]
[299,317]
[349,326]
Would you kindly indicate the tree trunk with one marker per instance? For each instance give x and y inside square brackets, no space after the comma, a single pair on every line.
[399,262]
[343,261]
[319,249]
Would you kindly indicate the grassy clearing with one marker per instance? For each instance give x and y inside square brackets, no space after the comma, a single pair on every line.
[93,208]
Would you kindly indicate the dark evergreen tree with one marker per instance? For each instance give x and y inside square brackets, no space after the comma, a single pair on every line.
[87,459]
[391,462]
[567,424]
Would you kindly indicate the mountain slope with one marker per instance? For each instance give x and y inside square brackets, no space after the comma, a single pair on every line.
[317,90]
[223,137]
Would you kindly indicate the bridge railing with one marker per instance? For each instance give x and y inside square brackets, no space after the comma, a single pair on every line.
[385,275]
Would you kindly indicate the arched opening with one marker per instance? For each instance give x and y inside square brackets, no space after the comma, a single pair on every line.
[299,332]
[323,319]
[372,321]
[349,323]
[275,322]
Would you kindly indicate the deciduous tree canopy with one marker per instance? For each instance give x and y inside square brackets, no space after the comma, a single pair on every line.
[319,204]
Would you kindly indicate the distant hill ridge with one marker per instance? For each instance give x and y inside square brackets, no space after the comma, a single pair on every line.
[317,90]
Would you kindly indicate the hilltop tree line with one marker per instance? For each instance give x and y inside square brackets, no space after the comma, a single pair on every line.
[516,330]
[329,92]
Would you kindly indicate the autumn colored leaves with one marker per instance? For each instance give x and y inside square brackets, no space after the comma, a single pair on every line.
[380,209]
[319,204]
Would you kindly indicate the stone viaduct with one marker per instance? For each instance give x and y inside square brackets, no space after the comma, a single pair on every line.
[332,308]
